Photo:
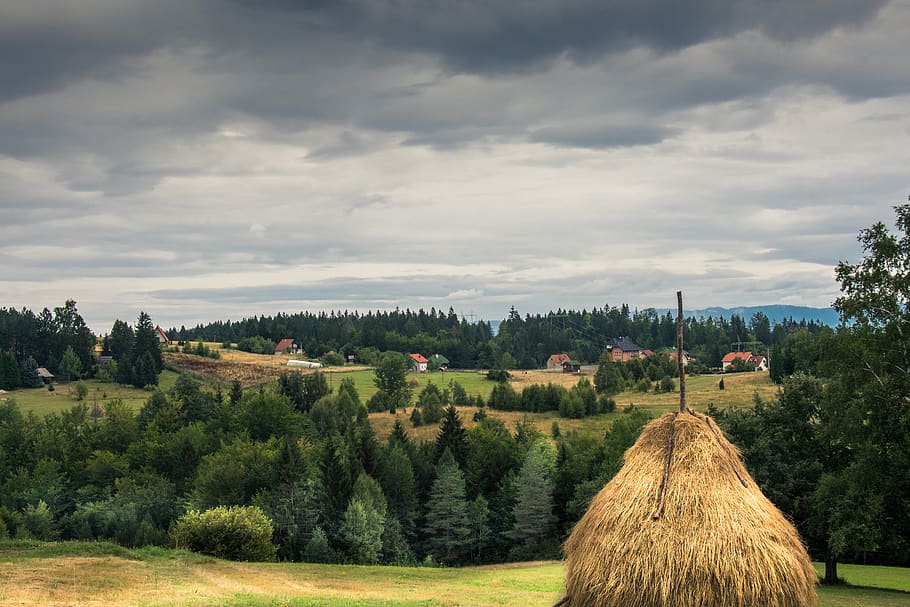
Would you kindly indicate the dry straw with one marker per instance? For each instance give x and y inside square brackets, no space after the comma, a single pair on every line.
[691,530]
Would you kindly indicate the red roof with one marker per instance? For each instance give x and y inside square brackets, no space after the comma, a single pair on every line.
[731,356]
[560,358]
[284,344]
[759,359]
[418,358]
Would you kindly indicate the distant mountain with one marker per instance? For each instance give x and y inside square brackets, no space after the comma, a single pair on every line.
[775,312]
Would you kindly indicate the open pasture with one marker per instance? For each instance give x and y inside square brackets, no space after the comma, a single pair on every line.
[77,573]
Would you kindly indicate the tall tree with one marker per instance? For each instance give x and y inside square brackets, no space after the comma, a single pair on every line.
[391,381]
[447,525]
[534,507]
[70,365]
[452,436]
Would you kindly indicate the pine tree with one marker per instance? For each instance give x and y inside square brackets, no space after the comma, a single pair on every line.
[452,436]
[533,509]
[70,365]
[447,526]
[29,373]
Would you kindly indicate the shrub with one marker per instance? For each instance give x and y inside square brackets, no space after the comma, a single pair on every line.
[239,533]
[81,389]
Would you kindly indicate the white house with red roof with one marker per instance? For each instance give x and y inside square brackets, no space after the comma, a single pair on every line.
[418,363]
[287,346]
[556,361]
[731,357]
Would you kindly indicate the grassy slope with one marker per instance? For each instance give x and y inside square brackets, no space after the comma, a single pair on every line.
[42,402]
[99,573]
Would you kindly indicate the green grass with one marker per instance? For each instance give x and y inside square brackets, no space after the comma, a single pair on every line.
[41,402]
[473,382]
[35,573]
[894,578]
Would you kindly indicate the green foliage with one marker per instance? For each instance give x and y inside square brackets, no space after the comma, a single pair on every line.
[499,375]
[81,390]
[239,533]
[38,522]
[256,345]
[452,436]
[70,365]
[333,359]
[318,549]
[29,373]
[235,473]
[10,377]
[361,531]
[447,526]
[533,511]
[391,381]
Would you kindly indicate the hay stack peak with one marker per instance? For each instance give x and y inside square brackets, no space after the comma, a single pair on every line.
[693,530]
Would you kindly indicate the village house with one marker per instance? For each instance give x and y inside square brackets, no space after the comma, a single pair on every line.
[418,363]
[438,361]
[756,361]
[287,346]
[571,366]
[162,336]
[622,350]
[46,376]
[556,361]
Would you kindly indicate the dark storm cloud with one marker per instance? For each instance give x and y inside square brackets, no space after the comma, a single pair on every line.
[479,36]
[585,136]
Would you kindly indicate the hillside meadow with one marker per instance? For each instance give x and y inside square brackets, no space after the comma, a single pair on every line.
[79,573]
[701,391]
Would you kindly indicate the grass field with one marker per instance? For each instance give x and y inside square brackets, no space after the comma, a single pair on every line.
[42,402]
[78,573]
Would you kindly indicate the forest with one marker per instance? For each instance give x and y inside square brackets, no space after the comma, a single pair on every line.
[300,465]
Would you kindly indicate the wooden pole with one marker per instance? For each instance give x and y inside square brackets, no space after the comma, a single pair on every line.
[679,352]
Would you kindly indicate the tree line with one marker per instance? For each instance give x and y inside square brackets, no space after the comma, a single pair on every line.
[308,458]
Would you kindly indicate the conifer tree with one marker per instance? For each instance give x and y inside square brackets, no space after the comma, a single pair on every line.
[533,509]
[447,526]
[452,436]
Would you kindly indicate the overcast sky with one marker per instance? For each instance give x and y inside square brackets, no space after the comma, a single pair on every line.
[205,160]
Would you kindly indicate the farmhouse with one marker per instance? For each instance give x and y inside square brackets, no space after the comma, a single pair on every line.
[731,357]
[287,346]
[418,363]
[761,363]
[623,350]
[556,361]
[438,361]
[686,358]
[162,336]
[45,375]
[571,366]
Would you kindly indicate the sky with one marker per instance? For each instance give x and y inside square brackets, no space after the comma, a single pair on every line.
[202,160]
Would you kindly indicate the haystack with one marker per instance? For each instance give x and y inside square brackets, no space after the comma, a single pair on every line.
[689,530]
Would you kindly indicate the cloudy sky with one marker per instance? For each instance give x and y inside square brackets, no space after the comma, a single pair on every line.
[204,160]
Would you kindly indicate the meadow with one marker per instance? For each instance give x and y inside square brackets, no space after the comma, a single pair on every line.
[98,573]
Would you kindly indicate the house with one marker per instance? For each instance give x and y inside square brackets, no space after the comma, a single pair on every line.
[731,357]
[761,363]
[287,346]
[45,375]
[571,366]
[556,361]
[418,363]
[162,336]
[438,361]
[686,358]
[622,350]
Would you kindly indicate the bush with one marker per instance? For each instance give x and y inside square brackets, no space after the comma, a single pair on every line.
[499,375]
[81,389]
[239,533]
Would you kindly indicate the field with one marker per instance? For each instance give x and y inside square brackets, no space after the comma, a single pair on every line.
[258,369]
[33,574]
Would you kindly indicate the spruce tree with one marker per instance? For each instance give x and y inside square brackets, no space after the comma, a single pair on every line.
[452,436]
[533,509]
[29,373]
[447,525]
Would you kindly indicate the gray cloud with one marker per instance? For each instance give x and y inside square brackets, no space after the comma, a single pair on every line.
[239,157]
